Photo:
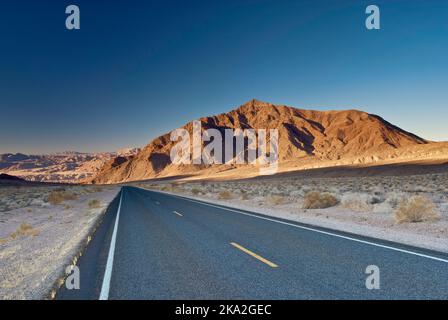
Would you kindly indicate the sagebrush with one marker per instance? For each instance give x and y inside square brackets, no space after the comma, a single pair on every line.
[319,200]
[416,209]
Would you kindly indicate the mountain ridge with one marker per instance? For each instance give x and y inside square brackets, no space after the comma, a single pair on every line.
[307,137]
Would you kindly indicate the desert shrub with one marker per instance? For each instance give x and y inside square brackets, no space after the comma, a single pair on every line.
[394,199]
[244,195]
[173,187]
[318,200]
[57,197]
[195,191]
[94,203]
[225,195]
[416,209]
[24,229]
[391,202]
[275,200]
[358,202]
[166,188]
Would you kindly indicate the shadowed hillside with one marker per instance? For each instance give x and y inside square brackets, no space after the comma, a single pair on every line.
[305,137]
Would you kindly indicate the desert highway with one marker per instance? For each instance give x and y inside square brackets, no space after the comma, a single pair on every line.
[152,245]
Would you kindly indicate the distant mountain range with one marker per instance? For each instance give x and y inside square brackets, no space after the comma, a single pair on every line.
[307,139]
[67,167]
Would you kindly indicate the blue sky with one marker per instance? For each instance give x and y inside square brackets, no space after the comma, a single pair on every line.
[137,69]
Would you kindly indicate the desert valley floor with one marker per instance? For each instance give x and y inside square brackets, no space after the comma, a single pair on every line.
[410,208]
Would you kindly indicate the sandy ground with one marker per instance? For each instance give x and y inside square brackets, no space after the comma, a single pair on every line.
[39,238]
[366,204]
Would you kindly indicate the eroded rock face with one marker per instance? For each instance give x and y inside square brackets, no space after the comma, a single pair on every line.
[71,167]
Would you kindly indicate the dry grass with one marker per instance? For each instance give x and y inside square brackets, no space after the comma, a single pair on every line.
[318,200]
[275,200]
[24,229]
[58,197]
[416,209]
[225,195]
[244,195]
[357,202]
[94,203]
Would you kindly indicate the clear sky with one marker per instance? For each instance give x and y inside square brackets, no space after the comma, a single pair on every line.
[137,69]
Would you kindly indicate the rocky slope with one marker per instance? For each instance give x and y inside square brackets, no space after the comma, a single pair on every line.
[69,166]
[307,138]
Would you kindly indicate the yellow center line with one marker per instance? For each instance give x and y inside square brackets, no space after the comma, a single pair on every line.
[179,214]
[256,256]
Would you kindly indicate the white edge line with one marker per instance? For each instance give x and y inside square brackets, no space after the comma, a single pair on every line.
[310,229]
[179,214]
[104,295]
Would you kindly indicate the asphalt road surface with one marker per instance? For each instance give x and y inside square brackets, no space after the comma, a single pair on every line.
[152,245]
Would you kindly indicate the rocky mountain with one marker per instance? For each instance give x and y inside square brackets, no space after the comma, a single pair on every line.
[307,139]
[67,167]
